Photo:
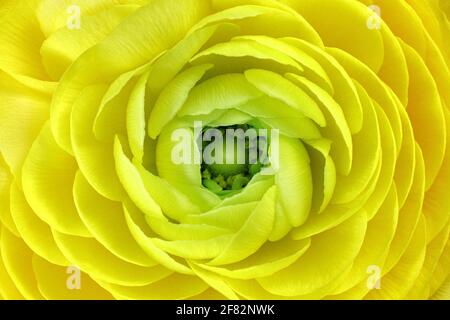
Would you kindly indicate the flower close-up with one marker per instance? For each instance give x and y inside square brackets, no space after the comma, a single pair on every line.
[224,149]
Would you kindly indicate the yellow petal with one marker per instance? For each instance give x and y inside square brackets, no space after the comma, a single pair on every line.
[20,40]
[161,24]
[186,287]
[17,260]
[351,17]
[94,259]
[48,176]
[105,219]
[329,255]
[94,158]
[65,45]
[55,282]
[34,232]
[253,233]
[23,113]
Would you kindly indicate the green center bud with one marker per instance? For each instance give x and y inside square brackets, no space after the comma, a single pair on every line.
[231,158]
[228,168]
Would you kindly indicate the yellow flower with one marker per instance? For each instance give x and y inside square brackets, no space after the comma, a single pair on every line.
[93,206]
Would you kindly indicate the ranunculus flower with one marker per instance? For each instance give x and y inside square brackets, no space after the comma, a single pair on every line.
[92,205]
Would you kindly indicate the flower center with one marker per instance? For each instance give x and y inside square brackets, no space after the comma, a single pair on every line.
[231,156]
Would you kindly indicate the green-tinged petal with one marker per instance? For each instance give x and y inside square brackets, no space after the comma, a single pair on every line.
[279,115]
[281,224]
[230,216]
[195,249]
[221,92]
[112,113]
[150,247]
[270,258]
[173,97]
[276,86]
[294,180]
[174,203]
[215,281]
[152,194]
[105,219]
[185,231]
[187,171]
[94,158]
[312,69]
[135,117]
[243,50]
[174,60]
[253,234]
[337,129]
[323,173]
[231,117]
